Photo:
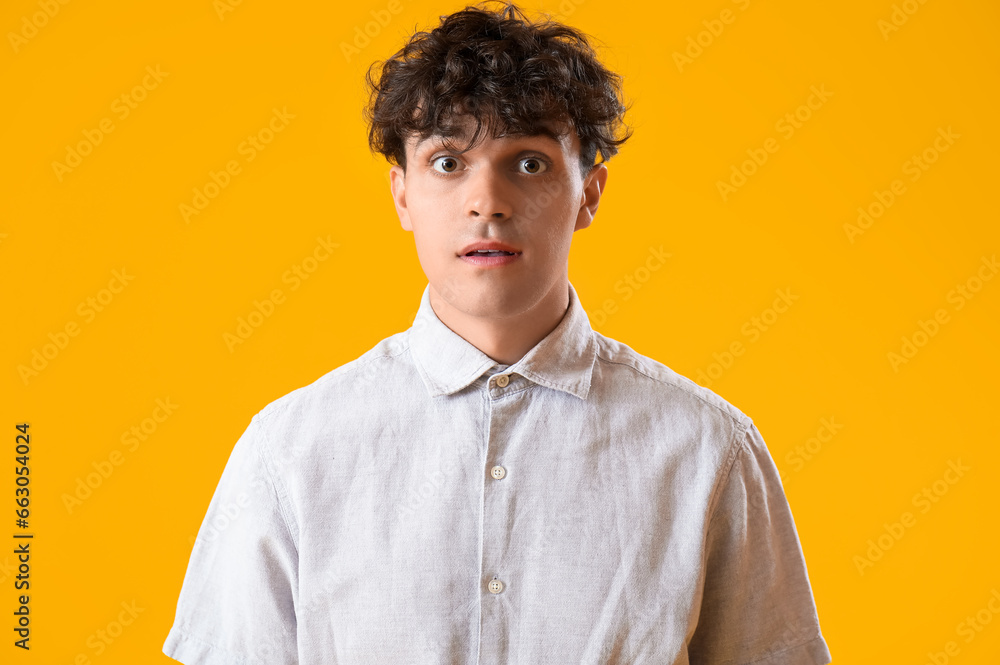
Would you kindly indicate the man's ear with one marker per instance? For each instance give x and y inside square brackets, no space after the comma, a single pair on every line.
[593,188]
[397,185]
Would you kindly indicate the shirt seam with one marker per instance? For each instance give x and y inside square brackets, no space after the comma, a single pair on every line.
[185,636]
[285,519]
[283,403]
[487,407]
[738,446]
[711,507]
[358,366]
[637,370]
[772,654]
[741,425]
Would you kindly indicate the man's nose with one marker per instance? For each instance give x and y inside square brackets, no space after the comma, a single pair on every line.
[488,194]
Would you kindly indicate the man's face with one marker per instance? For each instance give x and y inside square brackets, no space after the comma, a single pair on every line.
[526,192]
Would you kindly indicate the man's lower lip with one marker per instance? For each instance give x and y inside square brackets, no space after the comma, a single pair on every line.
[490,261]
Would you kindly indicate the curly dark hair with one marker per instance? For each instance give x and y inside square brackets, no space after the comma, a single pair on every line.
[510,74]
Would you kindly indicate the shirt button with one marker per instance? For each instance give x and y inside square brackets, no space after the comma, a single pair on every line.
[503,380]
[498,472]
[496,586]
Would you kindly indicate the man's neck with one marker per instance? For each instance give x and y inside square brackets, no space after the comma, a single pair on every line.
[506,340]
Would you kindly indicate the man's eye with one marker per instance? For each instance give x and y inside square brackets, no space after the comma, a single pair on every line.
[535,165]
[450,164]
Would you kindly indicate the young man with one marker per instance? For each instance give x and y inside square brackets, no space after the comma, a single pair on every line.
[499,483]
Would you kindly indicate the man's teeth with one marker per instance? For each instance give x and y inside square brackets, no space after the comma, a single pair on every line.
[490,252]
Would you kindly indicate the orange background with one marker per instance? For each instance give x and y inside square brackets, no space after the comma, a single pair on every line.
[891,75]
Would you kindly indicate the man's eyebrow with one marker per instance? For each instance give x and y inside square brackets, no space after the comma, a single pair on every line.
[438,139]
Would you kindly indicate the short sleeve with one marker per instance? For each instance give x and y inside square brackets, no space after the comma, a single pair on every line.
[756,605]
[237,602]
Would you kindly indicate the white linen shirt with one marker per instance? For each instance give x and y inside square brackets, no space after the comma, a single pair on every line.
[424,504]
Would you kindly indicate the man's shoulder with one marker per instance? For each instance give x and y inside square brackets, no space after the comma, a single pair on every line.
[665,385]
[355,380]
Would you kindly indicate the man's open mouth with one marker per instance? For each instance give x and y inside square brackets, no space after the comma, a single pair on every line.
[490,252]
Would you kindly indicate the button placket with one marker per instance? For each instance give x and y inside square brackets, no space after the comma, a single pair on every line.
[494,601]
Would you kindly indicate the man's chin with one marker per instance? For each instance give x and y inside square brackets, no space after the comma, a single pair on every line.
[486,299]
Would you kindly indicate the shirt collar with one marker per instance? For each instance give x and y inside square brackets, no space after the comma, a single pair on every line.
[447,362]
